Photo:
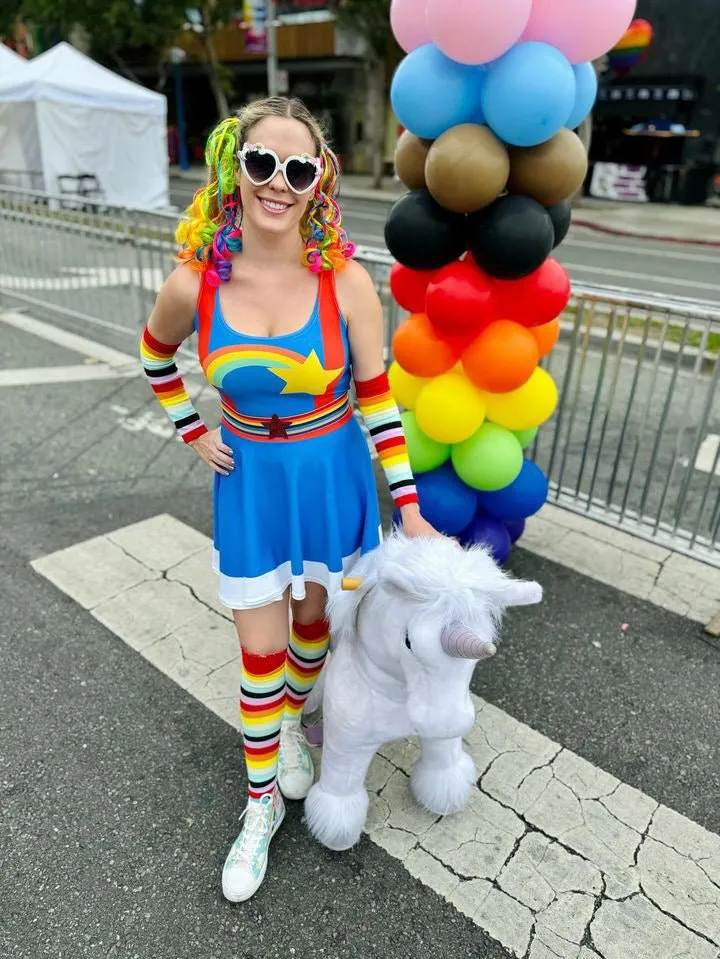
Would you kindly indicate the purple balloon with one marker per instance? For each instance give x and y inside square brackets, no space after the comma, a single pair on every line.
[486,531]
[515,528]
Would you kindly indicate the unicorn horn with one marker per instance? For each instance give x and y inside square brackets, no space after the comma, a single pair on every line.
[462,643]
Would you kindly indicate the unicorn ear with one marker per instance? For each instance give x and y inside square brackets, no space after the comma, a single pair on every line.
[519,592]
[396,581]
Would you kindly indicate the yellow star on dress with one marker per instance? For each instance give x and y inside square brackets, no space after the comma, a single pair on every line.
[310,376]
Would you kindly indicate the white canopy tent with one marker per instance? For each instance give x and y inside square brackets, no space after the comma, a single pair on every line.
[13,166]
[74,118]
[10,61]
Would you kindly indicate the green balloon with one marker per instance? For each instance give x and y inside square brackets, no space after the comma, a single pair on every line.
[526,437]
[490,460]
[425,454]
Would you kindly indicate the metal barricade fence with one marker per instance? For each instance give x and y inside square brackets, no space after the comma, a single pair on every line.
[634,442]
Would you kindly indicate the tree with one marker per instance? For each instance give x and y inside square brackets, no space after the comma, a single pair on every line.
[116,25]
[371,20]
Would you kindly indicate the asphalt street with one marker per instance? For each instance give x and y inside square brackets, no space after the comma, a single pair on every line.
[119,792]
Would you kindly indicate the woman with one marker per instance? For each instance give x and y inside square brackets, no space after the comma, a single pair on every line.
[284,318]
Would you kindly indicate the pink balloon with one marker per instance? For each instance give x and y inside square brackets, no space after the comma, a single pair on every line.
[409,23]
[581,29]
[477,31]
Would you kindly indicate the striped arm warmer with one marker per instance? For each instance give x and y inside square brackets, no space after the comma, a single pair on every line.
[382,419]
[158,361]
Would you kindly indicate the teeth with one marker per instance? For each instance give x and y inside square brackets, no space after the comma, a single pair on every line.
[272,205]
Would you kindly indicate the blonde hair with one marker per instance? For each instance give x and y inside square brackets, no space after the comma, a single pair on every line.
[209,232]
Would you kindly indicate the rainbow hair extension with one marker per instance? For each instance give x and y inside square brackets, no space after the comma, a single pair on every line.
[326,244]
[209,233]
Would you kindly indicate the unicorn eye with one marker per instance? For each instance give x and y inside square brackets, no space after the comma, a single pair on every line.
[407,641]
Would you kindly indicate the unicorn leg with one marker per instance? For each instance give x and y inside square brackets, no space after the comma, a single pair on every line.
[336,806]
[444,776]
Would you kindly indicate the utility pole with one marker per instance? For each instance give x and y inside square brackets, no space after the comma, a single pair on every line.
[272,58]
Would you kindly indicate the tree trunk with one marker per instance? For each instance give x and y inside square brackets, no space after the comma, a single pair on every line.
[212,64]
[376,116]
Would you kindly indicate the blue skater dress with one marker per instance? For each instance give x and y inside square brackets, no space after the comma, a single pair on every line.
[301,504]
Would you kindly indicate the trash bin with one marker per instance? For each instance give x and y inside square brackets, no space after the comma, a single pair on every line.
[696,183]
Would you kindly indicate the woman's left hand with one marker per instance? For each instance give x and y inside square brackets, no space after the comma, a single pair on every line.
[414,524]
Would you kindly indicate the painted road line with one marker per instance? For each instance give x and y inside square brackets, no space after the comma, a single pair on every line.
[70,341]
[627,275]
[87,278]
[44,375]
[553,857]
[654,252]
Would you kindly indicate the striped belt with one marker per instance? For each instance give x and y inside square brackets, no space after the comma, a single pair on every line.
[315,423]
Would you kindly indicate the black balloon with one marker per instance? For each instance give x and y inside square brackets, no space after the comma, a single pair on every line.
[511,238]
[421,235]
[561,216]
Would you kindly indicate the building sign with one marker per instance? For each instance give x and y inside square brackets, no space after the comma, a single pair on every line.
[305,11]
[285,7]
[652,93]
[255,24]
[619,181]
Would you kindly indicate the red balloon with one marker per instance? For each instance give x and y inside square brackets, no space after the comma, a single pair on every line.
[409,287]
[536,299]
[459,300]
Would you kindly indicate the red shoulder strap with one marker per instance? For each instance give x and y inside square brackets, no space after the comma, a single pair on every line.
[331,326]
[205,309]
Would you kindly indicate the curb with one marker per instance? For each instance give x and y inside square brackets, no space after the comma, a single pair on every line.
[657,237]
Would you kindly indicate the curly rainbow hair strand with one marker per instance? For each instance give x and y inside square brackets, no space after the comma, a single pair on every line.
[326,244]
[209,233]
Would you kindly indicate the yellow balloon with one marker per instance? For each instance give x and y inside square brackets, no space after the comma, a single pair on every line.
[404,386]
[527,407]
[450,409]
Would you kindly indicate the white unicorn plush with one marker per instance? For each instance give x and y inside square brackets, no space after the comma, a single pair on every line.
[408,631]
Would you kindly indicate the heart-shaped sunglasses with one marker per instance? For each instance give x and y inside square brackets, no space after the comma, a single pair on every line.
[261,165]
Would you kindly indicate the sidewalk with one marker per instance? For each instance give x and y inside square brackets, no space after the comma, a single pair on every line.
[651,221]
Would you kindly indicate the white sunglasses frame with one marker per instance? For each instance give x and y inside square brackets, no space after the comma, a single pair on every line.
[280,167]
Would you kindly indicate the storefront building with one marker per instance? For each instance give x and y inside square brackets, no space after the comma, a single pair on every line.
[656,128]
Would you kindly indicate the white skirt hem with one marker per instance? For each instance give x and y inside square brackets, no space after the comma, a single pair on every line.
[238,592]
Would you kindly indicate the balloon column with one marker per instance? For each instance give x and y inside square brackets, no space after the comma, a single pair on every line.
[489,95]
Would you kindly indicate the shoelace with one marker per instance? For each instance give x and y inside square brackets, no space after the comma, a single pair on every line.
[294,738]
[253,834]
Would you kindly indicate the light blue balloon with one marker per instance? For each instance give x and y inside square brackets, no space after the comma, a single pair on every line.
[586,87]
[529,94]
[431,93]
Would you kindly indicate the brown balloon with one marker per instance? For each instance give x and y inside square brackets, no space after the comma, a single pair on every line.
[410,156]
[551,172]
[467,168]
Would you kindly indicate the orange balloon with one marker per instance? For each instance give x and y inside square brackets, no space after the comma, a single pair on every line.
[502,358]
[546,336]
[420,351]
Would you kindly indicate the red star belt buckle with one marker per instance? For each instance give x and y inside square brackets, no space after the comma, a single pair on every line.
[277,428]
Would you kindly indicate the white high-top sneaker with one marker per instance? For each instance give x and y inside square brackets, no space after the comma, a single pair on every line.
[245,866]
[295,766]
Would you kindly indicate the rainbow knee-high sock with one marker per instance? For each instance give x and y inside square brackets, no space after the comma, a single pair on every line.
[305,657]
[262,706]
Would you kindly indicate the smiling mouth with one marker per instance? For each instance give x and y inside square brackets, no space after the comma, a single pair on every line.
[274,206]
